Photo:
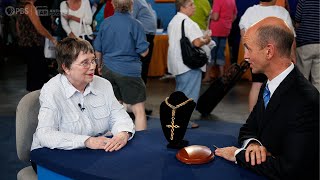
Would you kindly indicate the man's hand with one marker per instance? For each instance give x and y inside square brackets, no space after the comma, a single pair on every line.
[96,142]
[256,153]
[227,153]
[116,142]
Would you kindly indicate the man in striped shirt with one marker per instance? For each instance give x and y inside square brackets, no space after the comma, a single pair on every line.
[308,40]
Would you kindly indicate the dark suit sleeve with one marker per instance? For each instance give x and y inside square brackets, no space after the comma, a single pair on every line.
[250,128]
[300,148]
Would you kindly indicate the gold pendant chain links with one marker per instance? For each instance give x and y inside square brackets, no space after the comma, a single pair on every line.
[173,114]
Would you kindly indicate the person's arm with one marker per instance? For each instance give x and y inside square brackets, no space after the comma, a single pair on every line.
[235,12]
[201,41]
[195,35]
[142,45]
[215,11]
[252,150]
[87,18]
[214,16]
[145,53]
[99,62]
[35,20]
[99,58]
[48,130]
[287,5]
[297,143]
[120,121]
[64,21]
[298,14]
[71,17]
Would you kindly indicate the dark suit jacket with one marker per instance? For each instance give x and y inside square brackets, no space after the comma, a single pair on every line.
[288,128]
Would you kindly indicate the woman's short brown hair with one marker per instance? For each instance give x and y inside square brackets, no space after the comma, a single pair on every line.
[68,50]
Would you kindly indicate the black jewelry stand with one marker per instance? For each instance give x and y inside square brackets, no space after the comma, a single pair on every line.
[174,124]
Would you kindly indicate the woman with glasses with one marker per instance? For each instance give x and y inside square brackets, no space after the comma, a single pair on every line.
[79,109]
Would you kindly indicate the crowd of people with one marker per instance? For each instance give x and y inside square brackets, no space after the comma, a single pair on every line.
[103,52]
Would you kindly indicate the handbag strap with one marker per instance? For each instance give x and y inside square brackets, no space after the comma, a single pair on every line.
[182,29]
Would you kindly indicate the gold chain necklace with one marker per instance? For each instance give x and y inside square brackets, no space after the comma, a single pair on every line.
[173,114]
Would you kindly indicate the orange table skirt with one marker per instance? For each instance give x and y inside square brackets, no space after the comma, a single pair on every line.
[158,64]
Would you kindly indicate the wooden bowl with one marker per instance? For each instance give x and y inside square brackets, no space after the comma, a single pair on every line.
[195,154]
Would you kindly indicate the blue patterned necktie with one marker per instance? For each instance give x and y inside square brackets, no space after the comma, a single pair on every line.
[266,96]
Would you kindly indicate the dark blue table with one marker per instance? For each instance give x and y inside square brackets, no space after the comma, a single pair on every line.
[145,157]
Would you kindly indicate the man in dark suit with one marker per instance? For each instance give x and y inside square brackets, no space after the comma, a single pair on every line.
[280,139]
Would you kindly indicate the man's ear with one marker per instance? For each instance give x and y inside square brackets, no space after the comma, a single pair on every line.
[270,51]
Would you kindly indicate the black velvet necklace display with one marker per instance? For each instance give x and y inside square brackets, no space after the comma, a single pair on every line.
[175,113]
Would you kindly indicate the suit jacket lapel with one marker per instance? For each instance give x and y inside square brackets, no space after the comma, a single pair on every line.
[275,100]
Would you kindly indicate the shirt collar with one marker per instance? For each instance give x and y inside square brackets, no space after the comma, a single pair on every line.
[275,82]
[182,15]
[119,13]
[70,90]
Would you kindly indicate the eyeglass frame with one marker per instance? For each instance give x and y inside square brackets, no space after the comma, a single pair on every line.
[87,63]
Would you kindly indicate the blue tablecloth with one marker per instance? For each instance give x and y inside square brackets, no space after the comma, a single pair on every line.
[144,157]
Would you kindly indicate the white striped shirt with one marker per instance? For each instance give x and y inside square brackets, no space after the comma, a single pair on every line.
[64,124]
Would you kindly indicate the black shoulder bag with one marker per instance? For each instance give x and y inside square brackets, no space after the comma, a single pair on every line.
[192,56]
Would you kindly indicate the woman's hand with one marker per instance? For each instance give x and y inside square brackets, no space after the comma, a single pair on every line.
[117,142]
[96,142]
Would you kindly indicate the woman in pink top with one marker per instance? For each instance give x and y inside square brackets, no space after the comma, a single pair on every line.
[223,14]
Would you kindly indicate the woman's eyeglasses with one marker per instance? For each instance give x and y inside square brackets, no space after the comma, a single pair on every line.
[87,63]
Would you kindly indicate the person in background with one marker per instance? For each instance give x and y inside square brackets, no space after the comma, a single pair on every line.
[252,15]
[121,58]
[308,40]
[77,108]
[76,18]
[201,17]
[188,80]
[234,36]
[280,138]
[143,13]
[224,12]
[56,24]
[108,9]
[284,4]
[98,16]
[202,13]
[31,34]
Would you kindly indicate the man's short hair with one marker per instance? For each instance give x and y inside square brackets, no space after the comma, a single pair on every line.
[180,3]
[282,38]
[122,6]
[68,50]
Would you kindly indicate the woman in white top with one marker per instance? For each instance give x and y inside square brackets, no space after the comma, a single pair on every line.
[187,80]
[76,18]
